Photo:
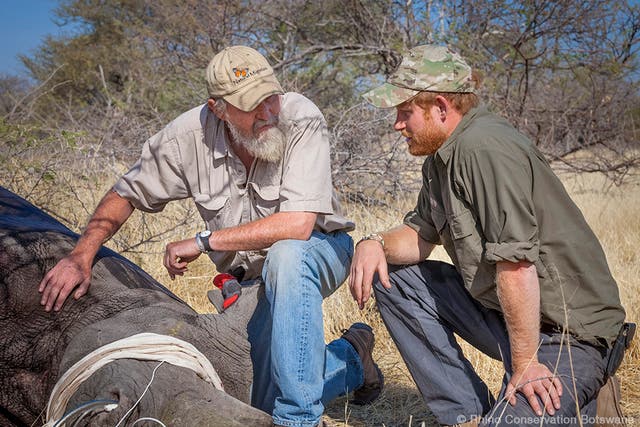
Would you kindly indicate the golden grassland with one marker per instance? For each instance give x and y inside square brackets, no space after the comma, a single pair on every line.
[613,213]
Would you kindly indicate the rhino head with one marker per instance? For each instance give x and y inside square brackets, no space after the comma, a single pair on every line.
[38,347]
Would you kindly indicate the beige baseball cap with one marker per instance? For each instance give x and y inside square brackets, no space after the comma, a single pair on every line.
[242,77]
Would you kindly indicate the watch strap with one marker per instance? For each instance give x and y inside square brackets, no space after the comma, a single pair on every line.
[203,242]
[373,236]
[199,243]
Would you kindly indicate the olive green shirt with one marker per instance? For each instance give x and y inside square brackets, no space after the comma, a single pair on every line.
[489,195]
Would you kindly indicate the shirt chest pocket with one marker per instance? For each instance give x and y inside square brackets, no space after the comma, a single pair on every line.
[462,225]
[466,239]
[214,209]
[264,200]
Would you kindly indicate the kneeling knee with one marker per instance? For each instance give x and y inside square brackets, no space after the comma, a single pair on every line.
[285,252]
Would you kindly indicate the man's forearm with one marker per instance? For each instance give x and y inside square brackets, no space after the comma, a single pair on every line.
[112,211]
[519,295]
[403,245]
[264,232]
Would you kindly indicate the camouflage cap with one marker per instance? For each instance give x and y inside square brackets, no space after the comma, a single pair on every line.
[424,68]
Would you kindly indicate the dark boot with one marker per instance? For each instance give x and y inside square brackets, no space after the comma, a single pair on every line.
[360,336]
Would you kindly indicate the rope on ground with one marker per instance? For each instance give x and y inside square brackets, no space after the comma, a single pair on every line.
[144,346]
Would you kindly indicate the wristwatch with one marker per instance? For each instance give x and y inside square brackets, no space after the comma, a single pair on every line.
[373,236]
[202,240]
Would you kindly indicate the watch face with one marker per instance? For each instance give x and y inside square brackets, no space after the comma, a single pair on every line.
[205,233]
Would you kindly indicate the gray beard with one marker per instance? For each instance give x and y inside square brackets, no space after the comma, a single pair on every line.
[268,146]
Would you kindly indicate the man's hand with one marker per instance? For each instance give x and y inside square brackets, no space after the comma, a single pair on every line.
[402,245]
[519,293]
[535,380]
[70,272]
[367,260]
[178,254]
[75,269]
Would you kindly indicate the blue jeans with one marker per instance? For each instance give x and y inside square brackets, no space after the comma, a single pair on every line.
[294,372]
[428,303]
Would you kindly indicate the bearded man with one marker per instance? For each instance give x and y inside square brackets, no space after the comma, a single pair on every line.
[255,161]
[529,284]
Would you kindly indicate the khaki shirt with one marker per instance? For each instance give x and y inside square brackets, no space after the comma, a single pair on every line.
[489,195]
[190,158]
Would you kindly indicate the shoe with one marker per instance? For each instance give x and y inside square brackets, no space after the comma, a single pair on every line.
[360,336]
[609,412]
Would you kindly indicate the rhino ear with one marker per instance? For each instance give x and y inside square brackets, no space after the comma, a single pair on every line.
[215,297]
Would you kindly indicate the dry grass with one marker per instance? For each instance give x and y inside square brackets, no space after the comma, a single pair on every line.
[613,213]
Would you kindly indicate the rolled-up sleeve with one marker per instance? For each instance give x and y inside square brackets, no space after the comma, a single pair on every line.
[156,178]
[498,185]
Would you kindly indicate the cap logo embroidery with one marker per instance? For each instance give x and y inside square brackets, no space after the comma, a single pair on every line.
[240,72]
[244,73]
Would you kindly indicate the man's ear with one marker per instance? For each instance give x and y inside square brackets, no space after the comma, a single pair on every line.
[443,106]
[211,103]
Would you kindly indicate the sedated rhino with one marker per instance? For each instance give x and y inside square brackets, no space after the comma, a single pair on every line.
[38,347]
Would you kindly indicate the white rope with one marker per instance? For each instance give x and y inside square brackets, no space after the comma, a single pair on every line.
[145,346]
[153,375]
